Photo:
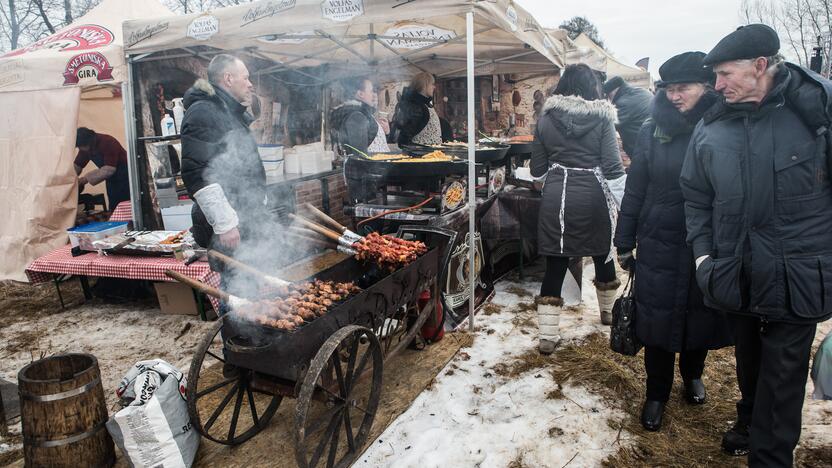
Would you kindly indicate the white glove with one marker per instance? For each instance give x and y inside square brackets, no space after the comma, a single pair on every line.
[617,188]
[700,260]
[219,213]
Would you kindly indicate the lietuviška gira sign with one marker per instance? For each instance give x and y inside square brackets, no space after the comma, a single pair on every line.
[83,37]
[92,65]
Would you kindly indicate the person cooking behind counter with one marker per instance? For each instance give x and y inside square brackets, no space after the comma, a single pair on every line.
[353,121]
[111,160]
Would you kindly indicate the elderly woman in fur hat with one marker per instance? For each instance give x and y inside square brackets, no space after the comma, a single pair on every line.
[670,315]
[575,147]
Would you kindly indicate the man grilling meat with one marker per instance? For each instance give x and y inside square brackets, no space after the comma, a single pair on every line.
[221,167]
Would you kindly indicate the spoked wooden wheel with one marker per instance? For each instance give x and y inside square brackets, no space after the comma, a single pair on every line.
[338,399]
[399,328]
[223,404]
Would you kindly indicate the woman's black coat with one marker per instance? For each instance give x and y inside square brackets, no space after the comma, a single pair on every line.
[669,305]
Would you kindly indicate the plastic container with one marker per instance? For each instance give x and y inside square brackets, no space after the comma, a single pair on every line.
[178,114]
[168,125]
[272,158]
[83,236]
[177,218]
[291,161]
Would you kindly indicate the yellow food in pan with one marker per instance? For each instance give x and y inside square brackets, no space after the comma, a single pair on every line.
[454,195]
[433,156]
[388,157]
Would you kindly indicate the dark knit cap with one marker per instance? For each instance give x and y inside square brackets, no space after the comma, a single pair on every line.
[747,42]
[612,84]
[686,67]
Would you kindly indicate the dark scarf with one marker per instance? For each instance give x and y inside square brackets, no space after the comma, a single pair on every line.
[671,123]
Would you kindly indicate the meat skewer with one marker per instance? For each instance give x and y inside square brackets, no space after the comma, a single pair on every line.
[298,303]
[386,251]
[345,232]
[272,280]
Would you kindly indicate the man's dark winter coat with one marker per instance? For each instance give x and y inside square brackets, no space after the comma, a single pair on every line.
[575,133]
[633,106]
[217,147]
[671,312]
[353,124]
[759,203]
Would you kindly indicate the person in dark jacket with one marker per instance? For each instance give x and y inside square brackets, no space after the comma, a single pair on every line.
[221,166]
[759,220]
[575,147]
[354,122]
[110,159]
[415,120]
[672,317]
[633,106]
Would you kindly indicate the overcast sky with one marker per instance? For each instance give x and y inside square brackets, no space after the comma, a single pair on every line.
[658,29]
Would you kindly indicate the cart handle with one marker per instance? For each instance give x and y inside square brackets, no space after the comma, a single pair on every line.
[199,286]
[325,218]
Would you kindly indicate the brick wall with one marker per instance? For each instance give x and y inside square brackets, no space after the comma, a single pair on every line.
[310,192]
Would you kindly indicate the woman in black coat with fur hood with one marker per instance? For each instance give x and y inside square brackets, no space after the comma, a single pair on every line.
[670,315]
[576,149]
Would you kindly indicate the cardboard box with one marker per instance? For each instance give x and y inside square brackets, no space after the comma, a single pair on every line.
[175,298]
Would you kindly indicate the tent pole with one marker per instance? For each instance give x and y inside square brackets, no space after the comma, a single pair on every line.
[128,101]
[472,168]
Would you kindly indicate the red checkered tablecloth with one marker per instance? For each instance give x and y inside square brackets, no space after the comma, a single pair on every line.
[123,212]
[61,262]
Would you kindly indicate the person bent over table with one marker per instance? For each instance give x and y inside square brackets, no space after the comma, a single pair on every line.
[111,160]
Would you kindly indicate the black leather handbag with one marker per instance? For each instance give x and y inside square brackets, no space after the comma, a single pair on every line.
[623,338]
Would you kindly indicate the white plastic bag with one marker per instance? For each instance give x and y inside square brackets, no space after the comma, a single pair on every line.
[154,429]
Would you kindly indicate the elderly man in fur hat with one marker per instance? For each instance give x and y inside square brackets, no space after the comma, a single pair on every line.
[759,221]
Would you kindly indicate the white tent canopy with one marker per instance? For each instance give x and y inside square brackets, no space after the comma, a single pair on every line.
[41,88]
[587,51]
[388,38]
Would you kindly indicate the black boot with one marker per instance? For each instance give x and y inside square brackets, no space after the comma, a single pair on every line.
[735,440]
[651,415]
[695,391]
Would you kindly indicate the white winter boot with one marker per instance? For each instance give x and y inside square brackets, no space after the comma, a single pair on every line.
[548,322]
[606,298]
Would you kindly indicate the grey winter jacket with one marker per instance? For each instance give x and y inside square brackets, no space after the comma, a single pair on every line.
[576,134]
[633,106]
[759,203]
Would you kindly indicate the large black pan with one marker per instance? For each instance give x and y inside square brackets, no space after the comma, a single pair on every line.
[358,165]
[485,152]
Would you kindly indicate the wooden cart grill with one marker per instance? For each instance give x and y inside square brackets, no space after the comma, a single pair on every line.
[332,365]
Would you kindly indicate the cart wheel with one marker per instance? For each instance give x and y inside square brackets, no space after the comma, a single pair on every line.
[399,328]
[338,399]
[223,405]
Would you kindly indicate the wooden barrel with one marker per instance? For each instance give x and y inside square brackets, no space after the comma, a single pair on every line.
[63,412]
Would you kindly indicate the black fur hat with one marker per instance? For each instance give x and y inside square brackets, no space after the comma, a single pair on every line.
[686,67]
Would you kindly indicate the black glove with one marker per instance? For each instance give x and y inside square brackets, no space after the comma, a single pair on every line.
[626,259]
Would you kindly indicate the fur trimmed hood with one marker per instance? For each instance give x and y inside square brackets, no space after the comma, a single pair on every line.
[203,90]
[577,116]
[578,106]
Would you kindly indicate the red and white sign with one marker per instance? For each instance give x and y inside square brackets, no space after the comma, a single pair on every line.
[89,65]
[84,37]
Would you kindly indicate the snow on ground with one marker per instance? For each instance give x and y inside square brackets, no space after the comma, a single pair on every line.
[118,335]
[473,416]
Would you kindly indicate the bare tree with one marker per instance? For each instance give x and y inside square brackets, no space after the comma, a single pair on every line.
[17,18]
[801,24]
